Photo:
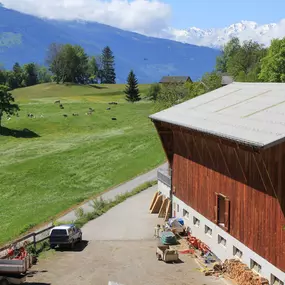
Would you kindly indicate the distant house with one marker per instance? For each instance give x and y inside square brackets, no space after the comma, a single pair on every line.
[175,79]
[227,79]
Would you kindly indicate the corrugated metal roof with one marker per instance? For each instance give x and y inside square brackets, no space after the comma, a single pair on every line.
[250,113]
[174,79]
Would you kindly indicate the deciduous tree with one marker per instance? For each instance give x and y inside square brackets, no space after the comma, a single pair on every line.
[273,64]
[7,104]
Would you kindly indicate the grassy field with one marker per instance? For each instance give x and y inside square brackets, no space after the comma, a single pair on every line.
[72,158]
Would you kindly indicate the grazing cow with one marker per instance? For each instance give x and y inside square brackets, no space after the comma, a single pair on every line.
[91,110]
[113,103]
[108,109]
[31,115]
[114,119]
[61,106]
[75,114]
[64,115]
[57,102]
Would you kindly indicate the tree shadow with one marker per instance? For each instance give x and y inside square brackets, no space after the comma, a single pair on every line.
[98,87]
[25,133]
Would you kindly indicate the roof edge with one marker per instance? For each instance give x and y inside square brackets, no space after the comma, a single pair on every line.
[231,138]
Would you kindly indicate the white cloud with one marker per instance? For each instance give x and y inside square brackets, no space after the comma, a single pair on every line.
[144,16]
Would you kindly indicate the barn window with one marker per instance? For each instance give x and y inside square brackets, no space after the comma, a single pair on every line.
[208,231]
[237,253]
[276,281]
[185,214]
[222,241]
[255,266]
[222,211]
[196,222]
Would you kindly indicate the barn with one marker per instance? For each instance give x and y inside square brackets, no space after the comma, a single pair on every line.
[226,176]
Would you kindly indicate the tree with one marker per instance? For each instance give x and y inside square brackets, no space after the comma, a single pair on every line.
[273,64]
[44,76]
[3,77]
[242,61]
[7,104]
[68,63]
[246,61]
[92,69]
[108,69]
[153,91]
[30,76]
[18,75]
[132,90]
[228,51]
[212,80]
[54,61]
[171,95]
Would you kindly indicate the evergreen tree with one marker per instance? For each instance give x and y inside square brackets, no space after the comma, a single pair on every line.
[132,89]
[18,75]
[108,66]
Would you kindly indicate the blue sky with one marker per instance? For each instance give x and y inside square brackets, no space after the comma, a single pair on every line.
[221,13]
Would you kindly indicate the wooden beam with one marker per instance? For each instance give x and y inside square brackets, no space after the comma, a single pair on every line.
[224,159]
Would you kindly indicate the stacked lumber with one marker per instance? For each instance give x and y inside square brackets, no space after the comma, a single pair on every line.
[153,200]
[157,204]
[165,210]
[241,274]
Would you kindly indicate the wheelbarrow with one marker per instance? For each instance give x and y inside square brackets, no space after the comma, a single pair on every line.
[164,253]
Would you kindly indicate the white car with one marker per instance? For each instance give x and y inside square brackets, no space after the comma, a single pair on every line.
[65,235]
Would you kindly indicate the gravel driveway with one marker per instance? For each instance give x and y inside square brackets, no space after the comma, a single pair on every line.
[119,246]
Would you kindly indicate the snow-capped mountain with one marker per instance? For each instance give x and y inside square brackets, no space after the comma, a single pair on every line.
[245,30]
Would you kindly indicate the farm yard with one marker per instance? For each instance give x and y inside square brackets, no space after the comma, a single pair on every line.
[60,161]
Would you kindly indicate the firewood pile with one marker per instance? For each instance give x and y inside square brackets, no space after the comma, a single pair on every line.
[240,273]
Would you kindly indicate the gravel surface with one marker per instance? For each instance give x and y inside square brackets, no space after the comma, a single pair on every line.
[119,246]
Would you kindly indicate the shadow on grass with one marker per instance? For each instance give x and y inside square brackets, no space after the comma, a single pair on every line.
[98,87]
[25,133]
[77,247]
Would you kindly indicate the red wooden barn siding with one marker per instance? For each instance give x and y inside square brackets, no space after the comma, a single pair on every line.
[254,183]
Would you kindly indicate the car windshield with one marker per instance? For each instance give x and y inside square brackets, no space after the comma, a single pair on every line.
[58,233]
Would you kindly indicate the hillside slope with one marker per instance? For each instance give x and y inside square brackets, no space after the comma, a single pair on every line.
[25,38]
[66,160]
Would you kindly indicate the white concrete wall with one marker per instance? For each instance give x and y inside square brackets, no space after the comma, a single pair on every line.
[223,252]
[163,188]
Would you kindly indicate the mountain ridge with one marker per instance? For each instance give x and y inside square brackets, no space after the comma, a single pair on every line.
[25,38]
[217,37]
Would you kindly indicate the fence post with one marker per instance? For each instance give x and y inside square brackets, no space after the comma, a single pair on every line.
[35,242]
